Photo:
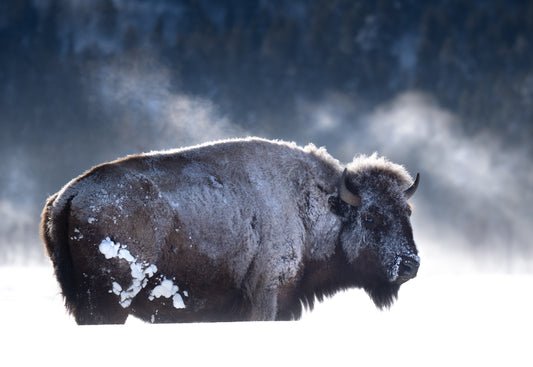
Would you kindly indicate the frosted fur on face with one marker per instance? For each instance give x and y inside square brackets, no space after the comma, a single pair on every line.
[381,185]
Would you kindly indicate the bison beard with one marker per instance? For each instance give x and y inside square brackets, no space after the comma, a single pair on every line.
[383,293]
[368,276]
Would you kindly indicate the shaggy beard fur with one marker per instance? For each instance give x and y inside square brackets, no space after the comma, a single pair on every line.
[383,294]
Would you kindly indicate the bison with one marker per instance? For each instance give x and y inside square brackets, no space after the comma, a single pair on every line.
[244,229]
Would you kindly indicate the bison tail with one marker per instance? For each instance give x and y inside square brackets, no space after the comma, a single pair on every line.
[54,234]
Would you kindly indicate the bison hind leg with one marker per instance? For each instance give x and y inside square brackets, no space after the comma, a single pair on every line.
[97,309]
[100,318]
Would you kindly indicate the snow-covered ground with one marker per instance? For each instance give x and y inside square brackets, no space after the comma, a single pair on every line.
[463,318]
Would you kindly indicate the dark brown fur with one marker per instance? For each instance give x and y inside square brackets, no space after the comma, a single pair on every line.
[245,230]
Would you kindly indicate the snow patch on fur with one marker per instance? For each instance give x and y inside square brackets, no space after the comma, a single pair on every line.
[140,271]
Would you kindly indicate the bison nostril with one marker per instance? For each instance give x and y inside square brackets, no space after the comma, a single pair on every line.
[408,268]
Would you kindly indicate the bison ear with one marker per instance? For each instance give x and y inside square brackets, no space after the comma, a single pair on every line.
[346,195]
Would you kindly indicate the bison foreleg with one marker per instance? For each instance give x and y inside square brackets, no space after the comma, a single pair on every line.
[264,305]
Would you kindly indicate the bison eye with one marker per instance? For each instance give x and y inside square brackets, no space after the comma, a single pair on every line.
[370,220]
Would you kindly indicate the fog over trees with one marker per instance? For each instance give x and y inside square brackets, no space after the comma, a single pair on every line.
[444,87]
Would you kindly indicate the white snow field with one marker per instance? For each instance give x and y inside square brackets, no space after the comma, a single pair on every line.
[465,317]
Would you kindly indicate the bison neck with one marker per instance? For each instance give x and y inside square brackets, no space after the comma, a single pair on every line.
[319,279]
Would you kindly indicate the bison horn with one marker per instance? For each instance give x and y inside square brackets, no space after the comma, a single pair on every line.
[346,195]
[411,190]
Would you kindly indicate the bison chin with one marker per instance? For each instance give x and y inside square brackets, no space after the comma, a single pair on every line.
[383,294]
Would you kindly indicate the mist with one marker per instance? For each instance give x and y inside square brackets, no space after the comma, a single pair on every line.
[149,116]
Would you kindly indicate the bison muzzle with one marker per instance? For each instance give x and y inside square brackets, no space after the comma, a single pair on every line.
[245,229]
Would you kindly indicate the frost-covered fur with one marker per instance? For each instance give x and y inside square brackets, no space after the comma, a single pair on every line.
[235,230]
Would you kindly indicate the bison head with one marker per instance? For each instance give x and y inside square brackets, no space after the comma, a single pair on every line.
[377,238]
